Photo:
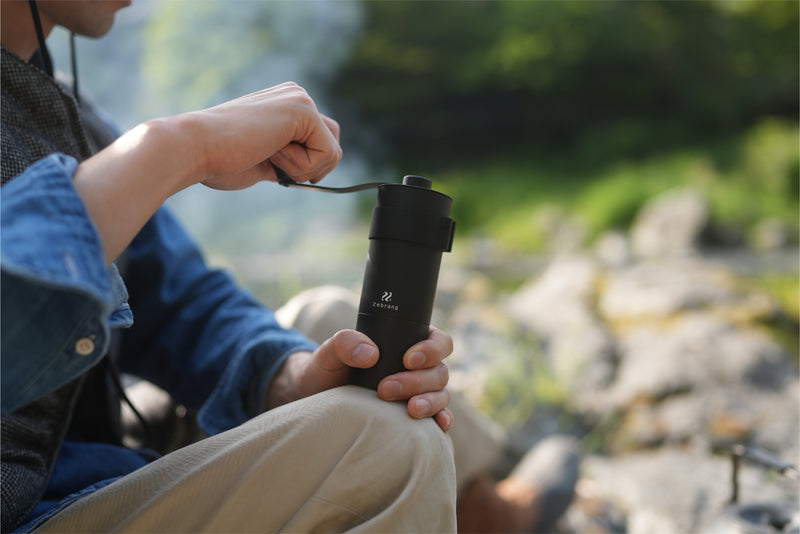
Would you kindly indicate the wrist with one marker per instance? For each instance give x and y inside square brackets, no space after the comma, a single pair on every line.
[283,388]
[174,144]
[125,183]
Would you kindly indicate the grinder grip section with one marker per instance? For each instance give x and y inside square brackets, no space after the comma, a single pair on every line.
[393,337]
[410,229]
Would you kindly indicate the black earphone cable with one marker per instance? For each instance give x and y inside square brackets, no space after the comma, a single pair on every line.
[37,23]
[74,61]
[115,379]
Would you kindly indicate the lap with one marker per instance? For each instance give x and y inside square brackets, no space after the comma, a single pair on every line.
[338,460]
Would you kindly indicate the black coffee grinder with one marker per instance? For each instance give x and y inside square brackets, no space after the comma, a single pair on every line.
[410,229]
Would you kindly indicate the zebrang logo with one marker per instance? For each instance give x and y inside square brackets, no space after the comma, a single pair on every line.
[386,302]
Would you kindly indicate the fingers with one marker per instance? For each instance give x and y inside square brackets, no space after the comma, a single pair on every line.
[306,163]
[444,419]
[314,150]
[430,352]
[424,384]
[333,126]
[402,386]
[237,142]
[429,404]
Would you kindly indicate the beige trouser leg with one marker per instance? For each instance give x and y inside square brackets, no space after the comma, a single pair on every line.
[340,460]
[321,312]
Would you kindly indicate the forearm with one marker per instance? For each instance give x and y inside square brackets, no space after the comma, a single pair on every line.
[123,185]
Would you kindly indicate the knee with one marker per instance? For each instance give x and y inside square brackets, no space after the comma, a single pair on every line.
[413,446]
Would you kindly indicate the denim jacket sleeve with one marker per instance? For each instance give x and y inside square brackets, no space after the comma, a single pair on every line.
[198,335]
[58,298]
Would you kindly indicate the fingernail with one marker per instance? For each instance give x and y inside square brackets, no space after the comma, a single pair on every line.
[392,389]
[447,420]
[423,407]
[416,360]
[363,354]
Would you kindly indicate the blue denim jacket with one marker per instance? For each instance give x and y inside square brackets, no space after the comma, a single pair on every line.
[198,335]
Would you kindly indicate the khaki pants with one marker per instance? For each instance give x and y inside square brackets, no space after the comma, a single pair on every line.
[339,460]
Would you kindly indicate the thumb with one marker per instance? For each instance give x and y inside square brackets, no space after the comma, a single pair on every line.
[347,348]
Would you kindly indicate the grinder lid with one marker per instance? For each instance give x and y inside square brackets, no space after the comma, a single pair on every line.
[413,212]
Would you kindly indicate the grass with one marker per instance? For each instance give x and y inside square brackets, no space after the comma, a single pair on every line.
[785,288]
[523,201]
[519,384]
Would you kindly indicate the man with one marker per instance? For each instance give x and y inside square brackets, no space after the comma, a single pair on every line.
[289,449]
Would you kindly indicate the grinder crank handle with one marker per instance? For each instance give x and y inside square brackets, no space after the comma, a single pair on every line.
[285,181]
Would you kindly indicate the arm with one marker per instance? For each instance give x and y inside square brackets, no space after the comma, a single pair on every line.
[62,225]
[231,146]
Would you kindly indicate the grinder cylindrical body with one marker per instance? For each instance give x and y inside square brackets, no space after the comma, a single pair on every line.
[410,229]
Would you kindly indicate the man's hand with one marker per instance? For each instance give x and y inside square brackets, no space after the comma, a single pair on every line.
[242,139]
[423,385]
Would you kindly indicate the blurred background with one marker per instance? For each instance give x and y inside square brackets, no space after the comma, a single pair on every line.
[625,182]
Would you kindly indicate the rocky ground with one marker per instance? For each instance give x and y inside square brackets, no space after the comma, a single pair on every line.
[654,351]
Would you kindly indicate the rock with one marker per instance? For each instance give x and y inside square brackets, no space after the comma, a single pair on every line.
[663,288]
[679,490]
[613,250]
[563,232]
[569,280]
[482,338]
[670,225]
[716,417]
[695,352]
[559,307]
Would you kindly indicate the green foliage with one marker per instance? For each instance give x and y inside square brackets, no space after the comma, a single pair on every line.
[784,327]
[747,179]
[785,287]
[519,383]
[761,179]
[454,81]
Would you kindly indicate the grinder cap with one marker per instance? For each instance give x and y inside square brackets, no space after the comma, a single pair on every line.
[413,212]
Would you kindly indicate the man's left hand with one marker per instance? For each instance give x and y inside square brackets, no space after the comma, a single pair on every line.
[423,385]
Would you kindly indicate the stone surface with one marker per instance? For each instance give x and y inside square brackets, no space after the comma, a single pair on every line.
[670,225]
[664,288]
[676,490]
[695,352]
[559,307]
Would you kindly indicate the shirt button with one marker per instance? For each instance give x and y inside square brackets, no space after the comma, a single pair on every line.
[84,346]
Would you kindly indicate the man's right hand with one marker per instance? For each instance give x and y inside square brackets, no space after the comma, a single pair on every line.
[281,125]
